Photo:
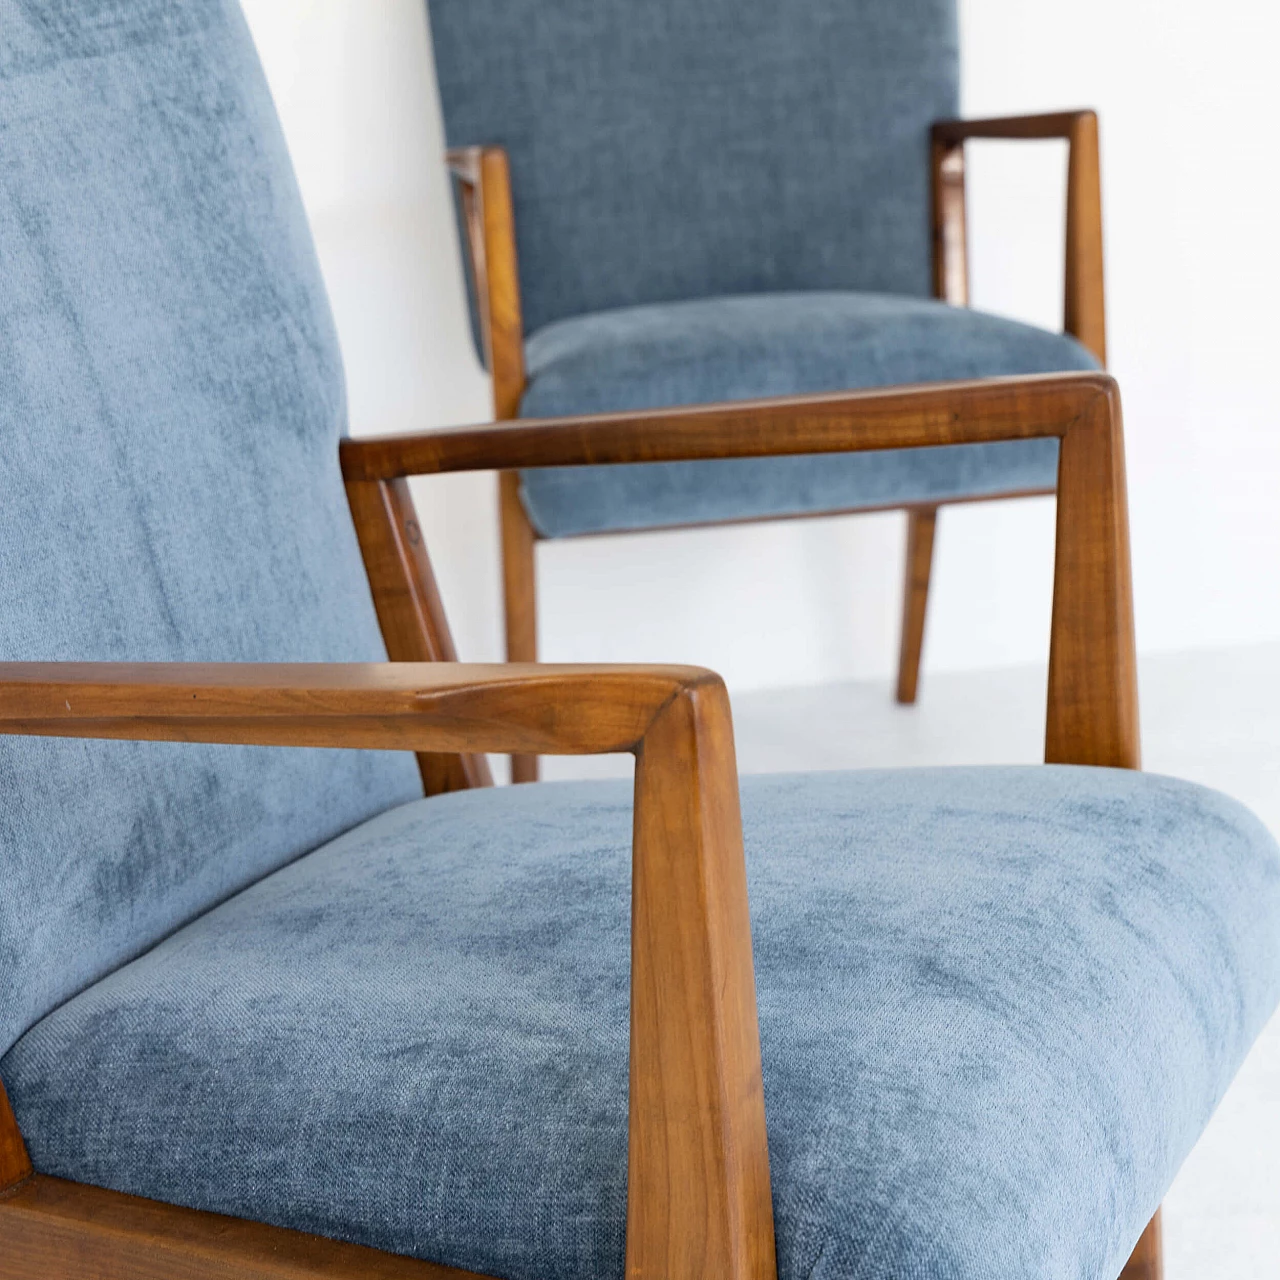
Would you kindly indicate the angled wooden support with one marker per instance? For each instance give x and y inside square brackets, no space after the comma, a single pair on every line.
[1093,668]
[519,592]
[921,524]
[1084,293]
[1084,314]
[410,612]
[484,183]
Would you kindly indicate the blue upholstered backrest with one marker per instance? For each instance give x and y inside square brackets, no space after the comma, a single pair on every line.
[668,149]
[171,400]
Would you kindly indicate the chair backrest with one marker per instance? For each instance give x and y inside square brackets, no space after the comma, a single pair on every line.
[171,400]
[669,149]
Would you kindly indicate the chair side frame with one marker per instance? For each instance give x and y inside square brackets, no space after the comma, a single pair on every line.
[483,176]
[698,1198]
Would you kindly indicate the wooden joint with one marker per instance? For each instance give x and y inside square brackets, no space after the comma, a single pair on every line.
[407,602]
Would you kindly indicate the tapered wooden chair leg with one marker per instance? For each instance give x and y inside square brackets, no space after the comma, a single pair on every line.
[1147,1261]
[921,522]
[519,593]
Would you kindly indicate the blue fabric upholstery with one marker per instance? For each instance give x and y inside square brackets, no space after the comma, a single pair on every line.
[171,399]
[669,150]
[770,345]
[997,1006]
[712,201]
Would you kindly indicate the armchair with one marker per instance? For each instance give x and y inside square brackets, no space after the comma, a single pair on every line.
[714,205]
[268,1012]
[696,1097]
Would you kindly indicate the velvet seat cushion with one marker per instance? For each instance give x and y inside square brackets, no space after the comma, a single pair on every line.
[740,348]
[997,1007]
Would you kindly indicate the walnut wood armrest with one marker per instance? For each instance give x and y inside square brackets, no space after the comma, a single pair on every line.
[484,178]
[698,1164]
[936,413]
[426,707]
[1085,294]
[1052,124]
[1092,712]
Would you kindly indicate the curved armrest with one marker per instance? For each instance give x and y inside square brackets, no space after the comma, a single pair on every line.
[696,1111]
[1085,296]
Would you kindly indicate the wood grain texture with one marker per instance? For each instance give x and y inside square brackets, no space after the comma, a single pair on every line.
[410,612]
[15,1164]
[921,524]
[894,418]
[55,1230]
[519,593]
[698,1192]
[434,707]
[1093,682]
[1085,315]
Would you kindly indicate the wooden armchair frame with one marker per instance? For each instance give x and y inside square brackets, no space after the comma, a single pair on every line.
[698,1179]
[484,182]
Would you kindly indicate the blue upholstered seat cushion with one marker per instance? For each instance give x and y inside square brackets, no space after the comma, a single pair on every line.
[997,1006]
[739,348]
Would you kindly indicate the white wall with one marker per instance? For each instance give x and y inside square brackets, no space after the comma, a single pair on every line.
[1192,266]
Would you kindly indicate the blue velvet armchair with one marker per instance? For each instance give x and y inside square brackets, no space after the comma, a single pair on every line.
[277,1002]
[726,200]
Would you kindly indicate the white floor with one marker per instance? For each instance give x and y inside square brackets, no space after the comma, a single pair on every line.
[1213,717]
